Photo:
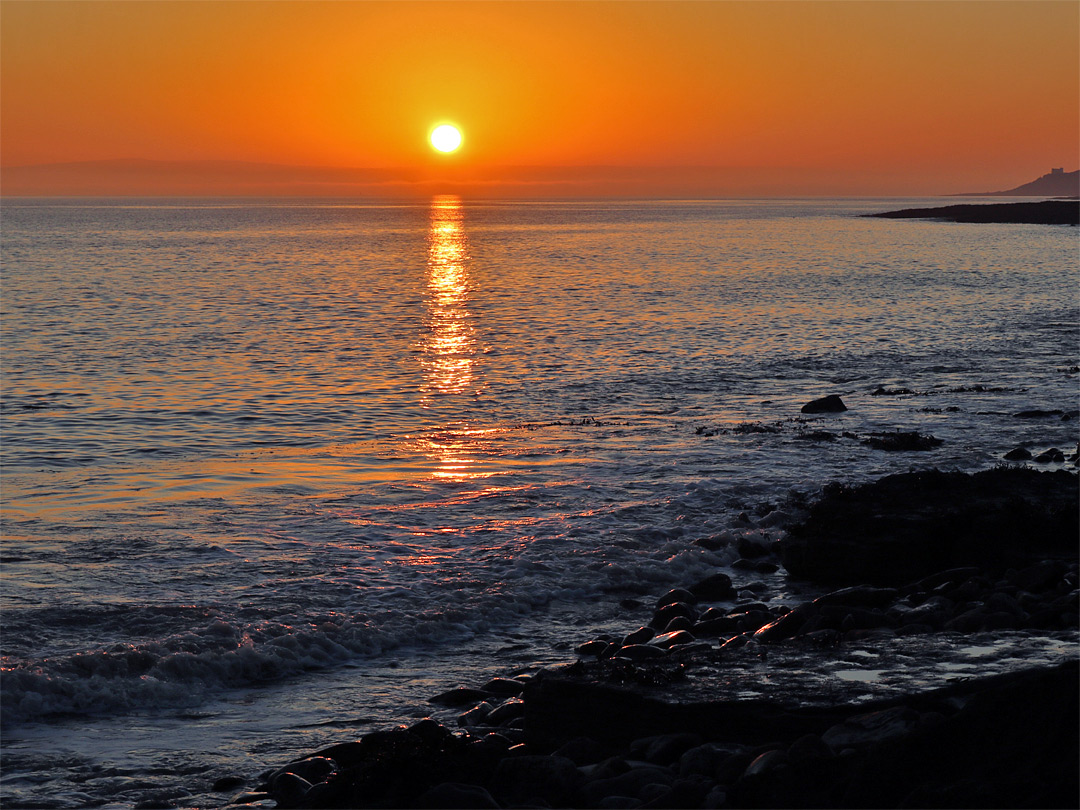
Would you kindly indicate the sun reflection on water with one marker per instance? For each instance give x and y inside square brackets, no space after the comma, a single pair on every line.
[449,347]
[450,344]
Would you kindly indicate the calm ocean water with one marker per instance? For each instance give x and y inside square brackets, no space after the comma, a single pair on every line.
[276,472]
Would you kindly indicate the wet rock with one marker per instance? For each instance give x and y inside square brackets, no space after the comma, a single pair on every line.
[595,647]
[503,686]
[763,764]
[867,729]
[1038,577]
[458,697]
[817,436]
[757,566]
[667,640]
[717,627]
[829,404]
[859,596]
[1051,456]
[713,543]
[678,623]
[715,798]
[685,792]
[310,771]
[476,715]
[250,797]
[510,710]
[346,755]
[430,732]
[639,652]
[901,441]
[950,577]
[666,748]
[665,614]
[967,622]
[550,779]
[911,525]
[703,759]
[1038,414]
[289,790]
[675,595]
[754,546]
[618,803]
[639,636]
[452,795]
[631,783]
[753,588]
[1018,454]
[735,642]
[583,751]
[1016,742]
[751,620]
[809,748]
[716,587]
[787,625]
[227,783]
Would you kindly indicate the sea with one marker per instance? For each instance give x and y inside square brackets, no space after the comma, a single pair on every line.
[277,471]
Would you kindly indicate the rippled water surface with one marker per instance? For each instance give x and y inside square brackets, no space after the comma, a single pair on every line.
[275,472]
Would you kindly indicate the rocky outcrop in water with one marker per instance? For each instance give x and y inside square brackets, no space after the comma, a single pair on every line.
[849,699]
[1048,212]
[908,526]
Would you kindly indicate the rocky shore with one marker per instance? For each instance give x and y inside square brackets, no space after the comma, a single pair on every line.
[937,668]
[1047,212]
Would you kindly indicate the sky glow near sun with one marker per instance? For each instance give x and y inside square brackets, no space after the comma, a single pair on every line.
[788,97]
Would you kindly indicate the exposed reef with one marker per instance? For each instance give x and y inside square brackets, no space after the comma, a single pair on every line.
[1047,212]
[944,675]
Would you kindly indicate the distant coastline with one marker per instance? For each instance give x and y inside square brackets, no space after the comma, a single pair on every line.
[1047,212]
[1055,183]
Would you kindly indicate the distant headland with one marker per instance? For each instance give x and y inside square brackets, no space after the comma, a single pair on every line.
[1057,183]
[1047,212]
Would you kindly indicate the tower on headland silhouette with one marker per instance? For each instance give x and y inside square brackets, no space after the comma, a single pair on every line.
[1058,183]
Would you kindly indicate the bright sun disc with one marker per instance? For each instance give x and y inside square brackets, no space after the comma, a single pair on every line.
[446,138]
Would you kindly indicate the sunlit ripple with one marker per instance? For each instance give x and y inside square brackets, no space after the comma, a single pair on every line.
[450,339]
[450,343]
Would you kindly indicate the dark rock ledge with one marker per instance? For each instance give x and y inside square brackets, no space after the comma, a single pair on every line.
[1048,212]
[946,680]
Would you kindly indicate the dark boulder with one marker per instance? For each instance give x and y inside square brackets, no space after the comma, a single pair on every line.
[907,526]
[452,795]
[524,780]
[901,441]
[715,587]
[829,404]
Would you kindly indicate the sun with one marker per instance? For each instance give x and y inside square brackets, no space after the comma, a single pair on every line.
[446,138]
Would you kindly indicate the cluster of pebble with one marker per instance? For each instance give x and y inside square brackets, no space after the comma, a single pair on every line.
[1049,456]
[487,762]
[429,766]
[1010,742]
[1043,596]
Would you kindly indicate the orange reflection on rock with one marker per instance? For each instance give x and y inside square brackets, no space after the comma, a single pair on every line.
[450,344]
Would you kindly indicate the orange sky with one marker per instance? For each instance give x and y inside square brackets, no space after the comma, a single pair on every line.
[845,97]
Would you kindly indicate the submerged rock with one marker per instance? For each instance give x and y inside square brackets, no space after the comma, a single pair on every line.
[895,441]
[829,404]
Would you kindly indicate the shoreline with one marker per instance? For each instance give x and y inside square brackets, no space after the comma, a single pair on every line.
[1047,212]
[673,713]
